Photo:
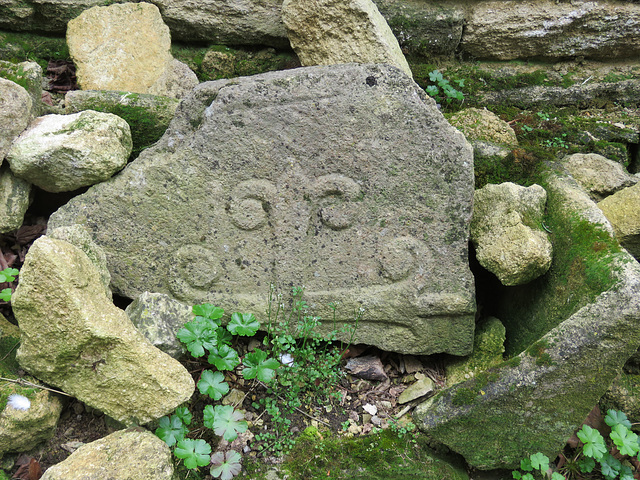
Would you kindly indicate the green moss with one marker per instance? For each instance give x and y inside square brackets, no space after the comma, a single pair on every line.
[464,396]
[382,456]
[581,269]
[19,47]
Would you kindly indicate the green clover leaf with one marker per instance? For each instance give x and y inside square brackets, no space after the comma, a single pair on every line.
[615,417]
[195,453]
[171,430]
[213,384]
[5,294]
[557,476]
[8,275]
[224,358]
[525,464]
[225,421]
[258,366]
[244,324]
[610,466]
[594,445]
[586,464]
[211,312]
[516,474]
[184,414]
[625,440]
[197,335]
[540,461]
[225,468]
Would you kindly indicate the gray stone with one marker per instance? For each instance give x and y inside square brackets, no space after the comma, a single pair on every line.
[507,232]
[368,367]
[108,57]
[15,196]
[299,177]
[15,112]
[74,338]
[29,76]
[554,30]
[127,454]
[622,209]
[535,401]
[60,153]
[159,317]
[329,32]
[420,388]
[598,175]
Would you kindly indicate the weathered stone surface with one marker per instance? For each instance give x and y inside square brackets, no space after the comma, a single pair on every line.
[79,237]
[525,29]
[176,81]
[127,454]
[624,395]
[22,430]
[489,134]
[580,96]
[622,209]
[506,230]
[29,76]
[74,338]
[296,177]
[15,196]
[598,175]
[535,402]
[422,387]
[488,348]
[148,116]
[329,32]
[15,110]
[60,153]
[159,317]
[108,56]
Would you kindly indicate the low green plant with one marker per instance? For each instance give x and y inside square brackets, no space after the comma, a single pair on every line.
[296,364]
[442,89]
[611,459]
[7,275]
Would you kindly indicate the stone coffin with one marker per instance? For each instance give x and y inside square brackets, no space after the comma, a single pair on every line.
[345,179]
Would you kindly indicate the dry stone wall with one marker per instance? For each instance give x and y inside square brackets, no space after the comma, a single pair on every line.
[502,30]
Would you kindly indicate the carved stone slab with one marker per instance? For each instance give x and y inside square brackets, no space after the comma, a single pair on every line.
[345,179]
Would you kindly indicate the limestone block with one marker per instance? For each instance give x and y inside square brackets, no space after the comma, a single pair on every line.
[330,32]
[622,209]
[122,47]
[133,453]
[15,110]
[60,153]
[537,400]
[598,175]
[507,233]
[73,337]
[15,196]
[506,30]
[176,81]
[297,177]
[159,317]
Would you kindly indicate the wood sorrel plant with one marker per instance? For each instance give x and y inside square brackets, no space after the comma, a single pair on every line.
[307,369]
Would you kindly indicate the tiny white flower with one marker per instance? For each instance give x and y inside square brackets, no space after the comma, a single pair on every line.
[19,402]
[286,359]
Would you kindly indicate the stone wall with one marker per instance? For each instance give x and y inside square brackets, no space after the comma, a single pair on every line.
[501,30]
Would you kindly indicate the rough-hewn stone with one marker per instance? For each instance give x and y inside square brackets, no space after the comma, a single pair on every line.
[535,401]
[15,195]
[327,32]
[159,317]
[525,29]
[73,337]
[301,177]
[125,47]
[507,232]
[622,209]
[15,111]
[127,454]
[60,153]
[489,134]
[598,175]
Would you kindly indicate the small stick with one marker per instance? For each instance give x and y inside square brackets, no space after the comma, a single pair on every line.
[27,383]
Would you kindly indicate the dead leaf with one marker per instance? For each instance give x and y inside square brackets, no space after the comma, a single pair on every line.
[29,469]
